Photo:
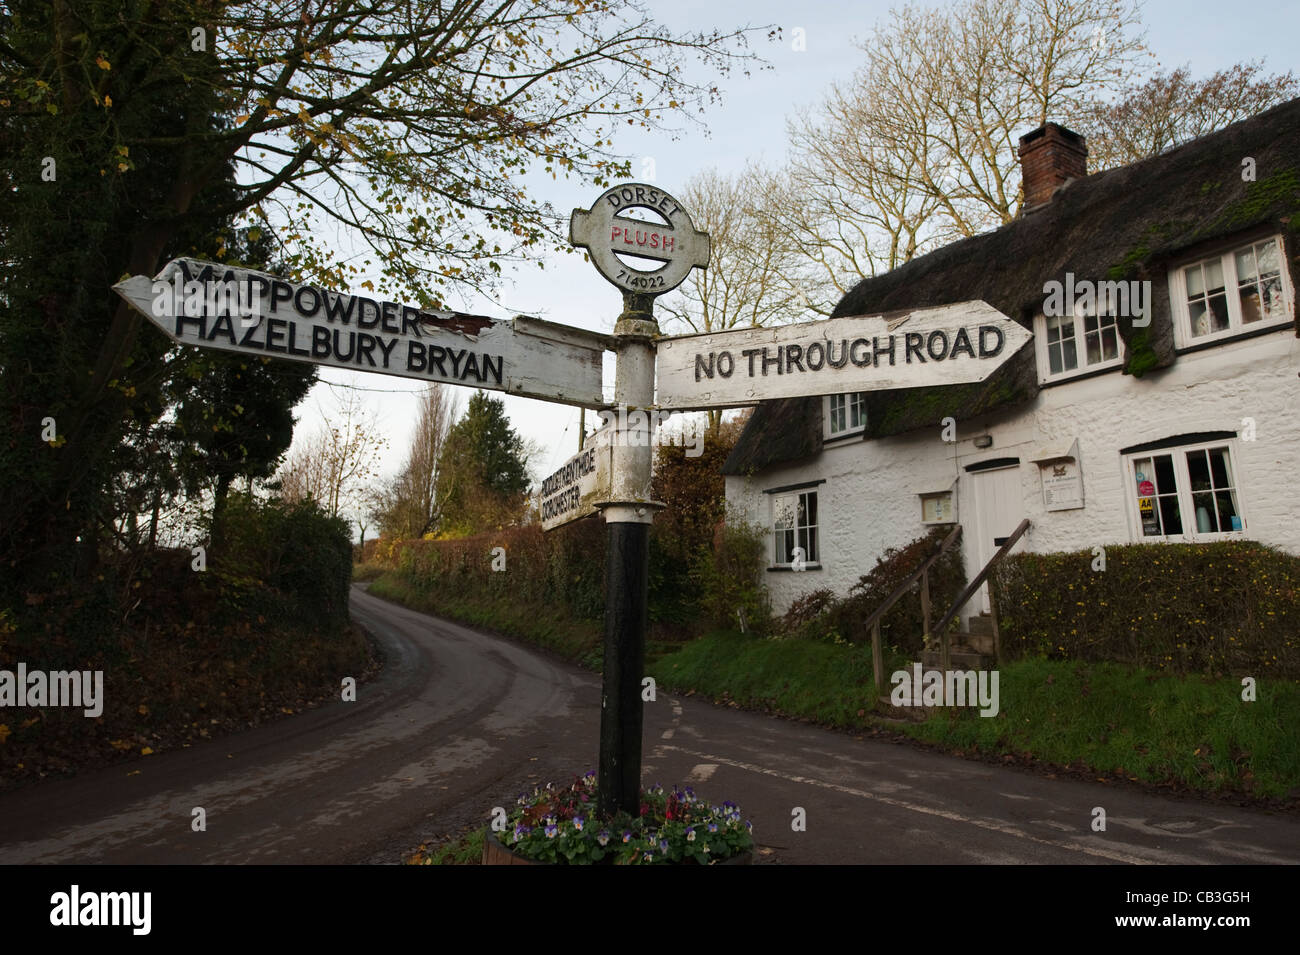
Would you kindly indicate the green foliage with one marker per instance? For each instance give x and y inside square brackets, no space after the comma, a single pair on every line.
[729,577]
[482,470]
[820,615]
[832,684]
[1218,608]
[290,562]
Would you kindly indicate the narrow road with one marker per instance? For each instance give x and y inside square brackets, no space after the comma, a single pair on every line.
[460,722]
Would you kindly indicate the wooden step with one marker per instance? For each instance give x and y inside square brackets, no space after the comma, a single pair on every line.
[959,658]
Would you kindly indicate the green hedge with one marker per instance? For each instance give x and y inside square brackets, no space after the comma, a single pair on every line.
[292,563]
[1229,607]
[564,567]
[689,587]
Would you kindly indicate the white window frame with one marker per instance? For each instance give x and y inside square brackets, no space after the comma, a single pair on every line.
[813,560]
[1183,484]
[1045,373]
[1227,258]
[854,404]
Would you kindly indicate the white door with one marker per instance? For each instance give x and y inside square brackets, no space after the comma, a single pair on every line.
[998,505]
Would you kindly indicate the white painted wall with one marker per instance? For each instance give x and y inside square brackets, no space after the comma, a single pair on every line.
[869,501]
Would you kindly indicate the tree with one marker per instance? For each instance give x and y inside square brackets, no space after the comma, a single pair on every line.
[921,147]
[334,465]
[409,124]
[752,276]
[482,470]
[407,505]
[1170,109]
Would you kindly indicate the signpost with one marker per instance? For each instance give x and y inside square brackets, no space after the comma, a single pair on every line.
[607,230]
[233,309]
[216,306]
[950,345]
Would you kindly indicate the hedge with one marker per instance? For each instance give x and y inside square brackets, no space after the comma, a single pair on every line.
[1229,607]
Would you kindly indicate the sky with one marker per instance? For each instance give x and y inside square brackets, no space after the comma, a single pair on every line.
[750,124]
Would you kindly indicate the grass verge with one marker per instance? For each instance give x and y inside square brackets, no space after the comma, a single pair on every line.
[1112,720]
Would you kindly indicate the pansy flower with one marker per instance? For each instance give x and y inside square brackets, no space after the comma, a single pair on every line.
[577,823]
[690,834]
[551,831]
[603,837]
[627,835]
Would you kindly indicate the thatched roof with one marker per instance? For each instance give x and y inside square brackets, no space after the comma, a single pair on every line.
[1122,224]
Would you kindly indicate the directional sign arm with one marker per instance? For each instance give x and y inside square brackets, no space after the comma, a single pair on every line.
[216,306]
[949,345]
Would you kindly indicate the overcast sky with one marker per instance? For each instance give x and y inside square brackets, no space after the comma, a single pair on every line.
[750,124]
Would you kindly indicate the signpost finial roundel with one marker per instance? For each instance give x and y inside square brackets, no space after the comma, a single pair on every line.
[604,230]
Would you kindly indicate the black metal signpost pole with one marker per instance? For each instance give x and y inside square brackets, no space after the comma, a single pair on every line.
[627,553]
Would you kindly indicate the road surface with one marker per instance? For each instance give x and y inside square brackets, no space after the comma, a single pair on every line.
[459,722]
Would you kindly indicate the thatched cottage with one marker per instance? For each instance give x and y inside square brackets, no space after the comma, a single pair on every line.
[1104,428]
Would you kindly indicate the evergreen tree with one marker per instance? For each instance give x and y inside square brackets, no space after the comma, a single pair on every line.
[482,470]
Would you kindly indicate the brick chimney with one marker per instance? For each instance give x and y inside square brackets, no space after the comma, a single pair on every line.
[1050,156]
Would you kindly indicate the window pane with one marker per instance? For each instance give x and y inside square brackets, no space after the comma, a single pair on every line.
[859,411]
[1053,329]
[1220,468]
[783,512]
[1170,516]
[1268,257]
[1109,344]
[1229,516]
[1093,346]
[1250,311]
[1195,281]
[1069,353]
[1271,292]
[838,414]
[1214,276]
[784,547]
[809,508]
[1218,312]
[1144,487]
[813,555]
[1206,519]
[1054,359]
[1198,469]
[1164,479]
[1200,320]
[1246,265]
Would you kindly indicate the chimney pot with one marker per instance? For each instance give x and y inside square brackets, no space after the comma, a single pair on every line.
[1050,156]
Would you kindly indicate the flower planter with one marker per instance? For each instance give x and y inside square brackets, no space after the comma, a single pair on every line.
[496,852]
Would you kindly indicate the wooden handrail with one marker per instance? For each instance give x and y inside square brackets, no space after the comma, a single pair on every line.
[906,585]
[982,576]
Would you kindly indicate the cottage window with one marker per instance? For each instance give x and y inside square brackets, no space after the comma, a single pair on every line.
[1237,291]
[794,524]
[845,414]
[1184,493]
[1073,344]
